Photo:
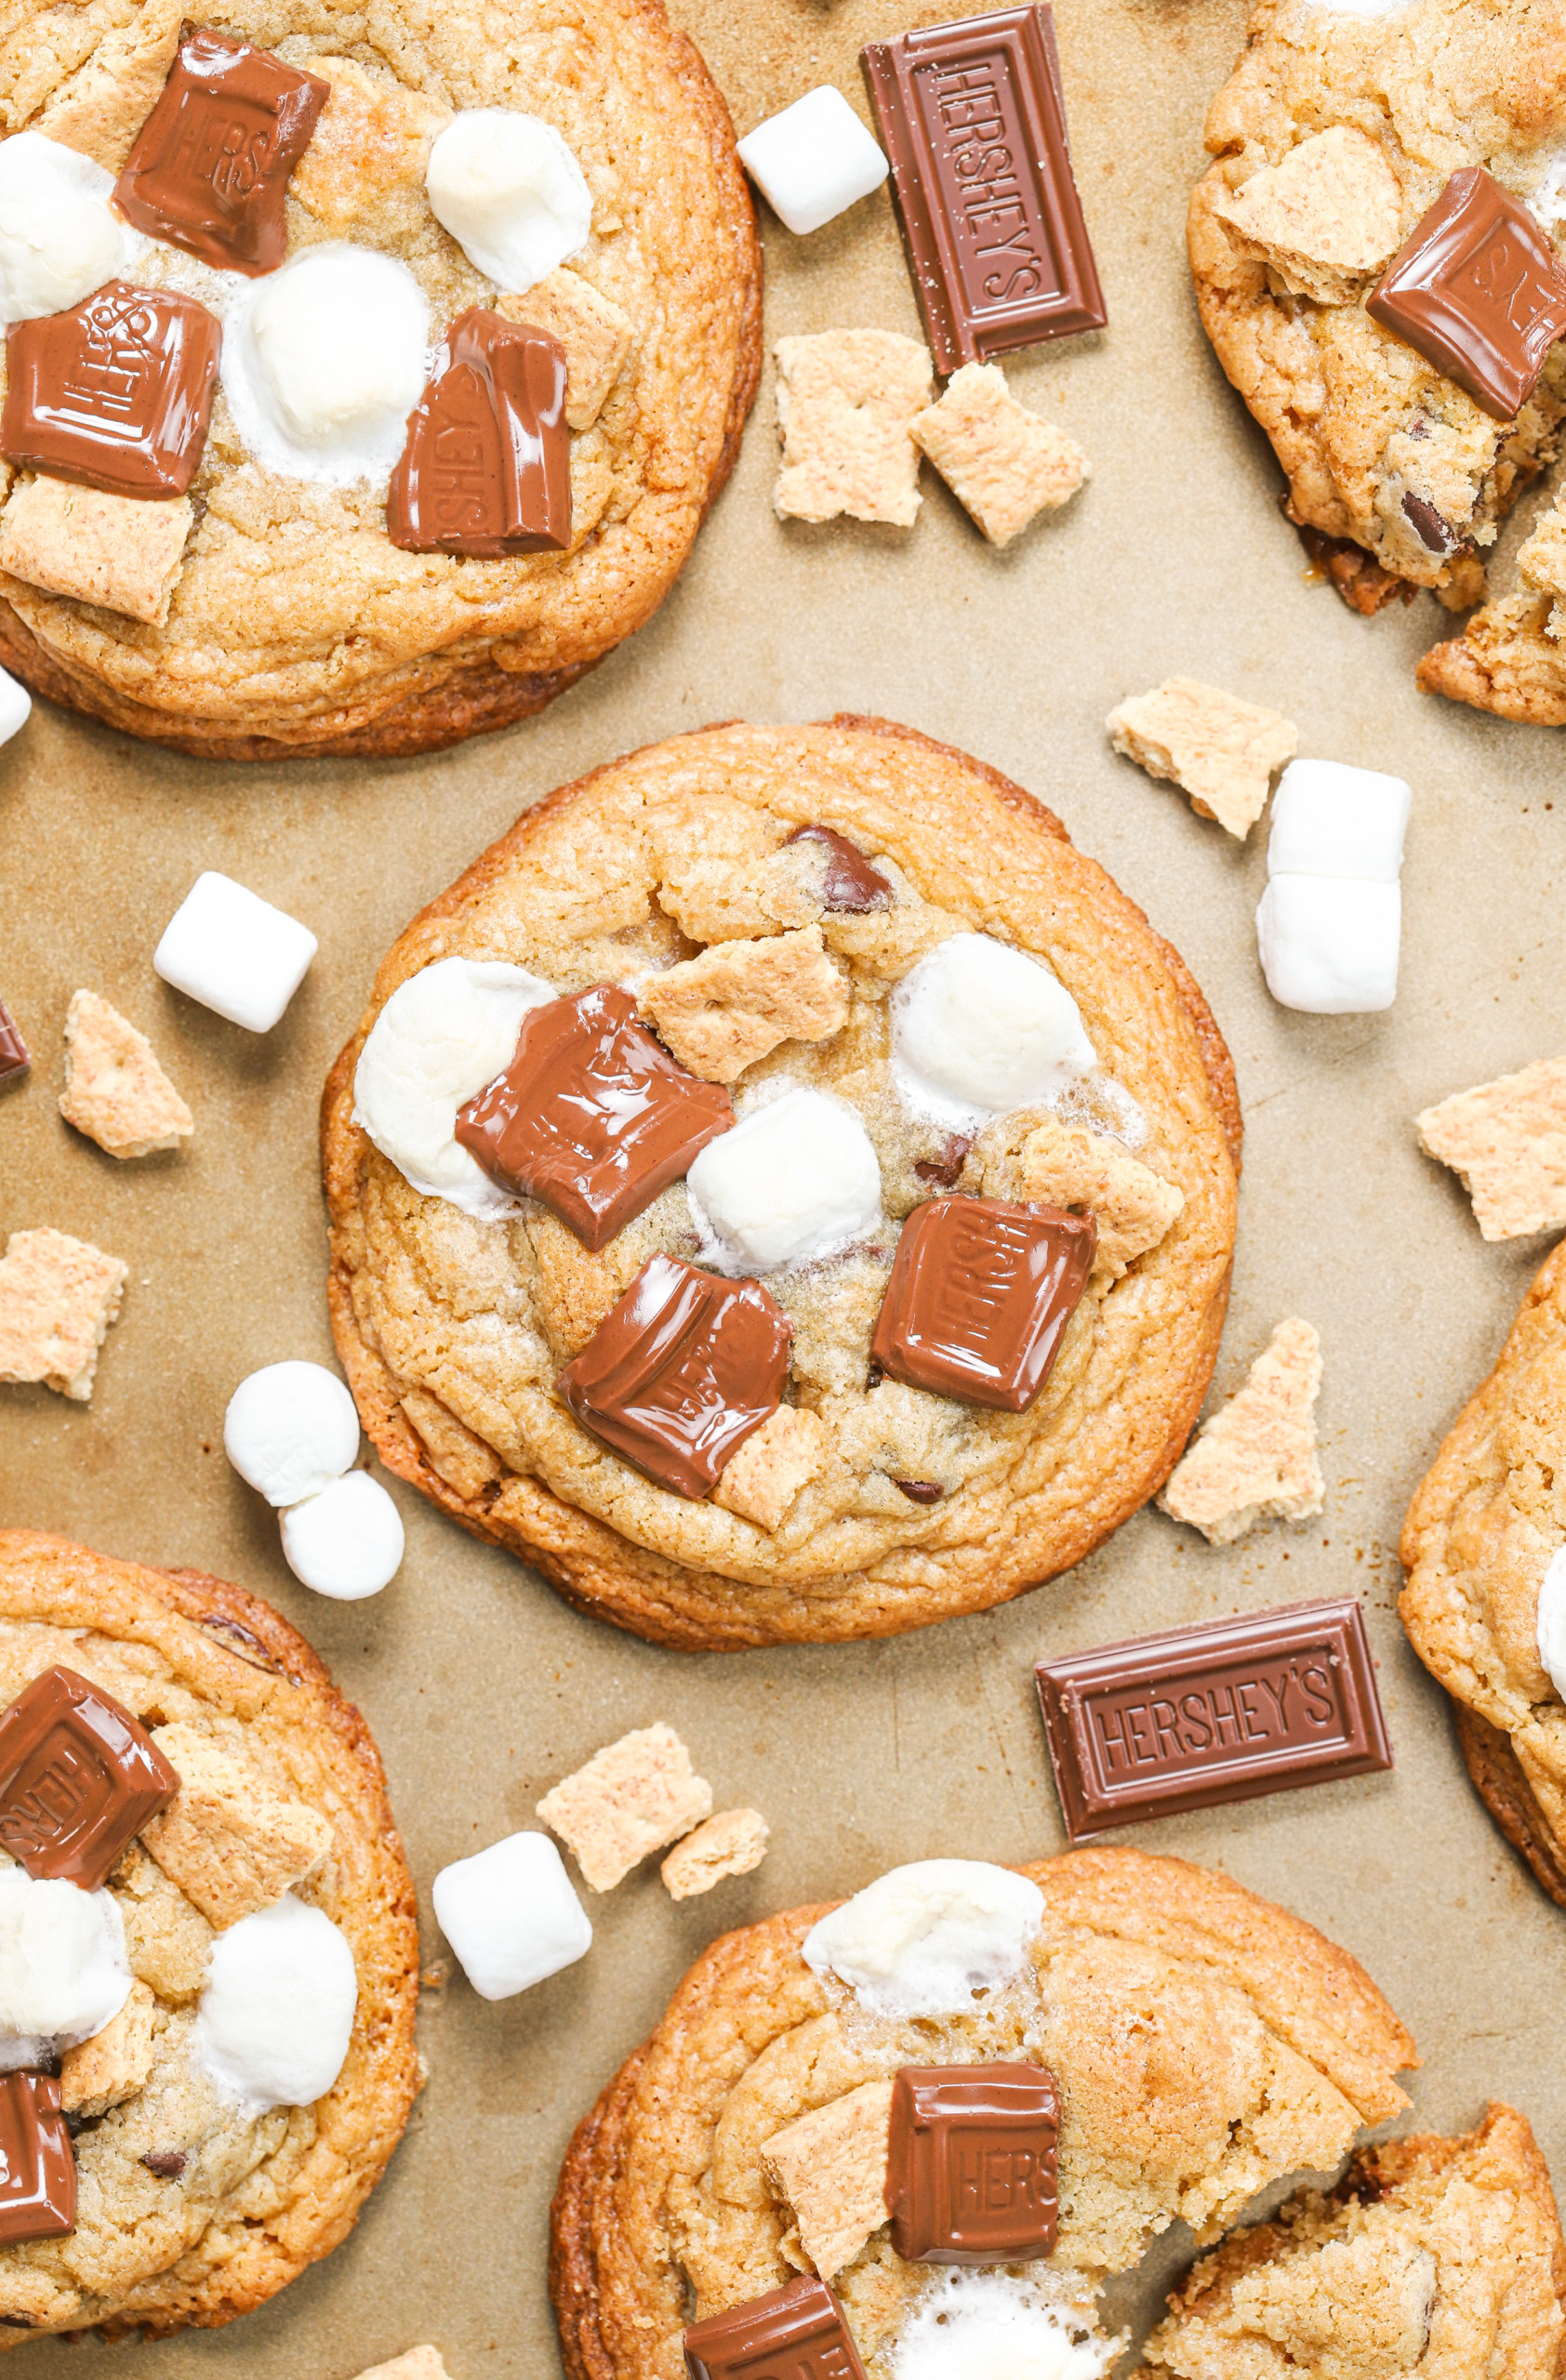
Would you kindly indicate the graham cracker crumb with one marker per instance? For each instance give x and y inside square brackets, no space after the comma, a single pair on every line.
[846,401]
[1322,218]
[761,1480]
[58,1297]
[122,552]
[1505,1141]
[115,1090]
[228,1840]
[1001,462]
[730,1844]
[596,335]
[1222,751]
[1061,1165]
[1256,1459]
[720,1012]
[111,2067]
[830,2167]
[414,2363]
[628,1800]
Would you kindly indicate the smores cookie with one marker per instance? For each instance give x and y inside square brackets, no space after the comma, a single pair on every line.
[384,437]
[783,1190]
[209,1969]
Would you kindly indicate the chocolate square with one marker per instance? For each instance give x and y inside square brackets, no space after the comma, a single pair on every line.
[592,1115]
[37,2163]
[979,1298]
[971,2163]
[849,884]
[14,1056]
[487,465]
[79,1777]
[114,393]
[678,1375]
[1477,290]
[796,2332]
[209,169]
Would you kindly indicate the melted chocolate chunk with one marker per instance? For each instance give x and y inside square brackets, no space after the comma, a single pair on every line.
[15,1058]
[209,169]
[114,393]
[971,2163]
[980,1295]
[947,1169]
[1427,524]
[167,2164]
[37,2163]
[678,1375]
[487,465]
[79,1777]
[1477,290]
[592,1115]
[849,882]
[796,2332]
[920,1491]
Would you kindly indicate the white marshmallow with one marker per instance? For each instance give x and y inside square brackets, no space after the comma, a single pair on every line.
[1551,1624]
[795,1179]
[510,193]
[1331,820]
[813,160]
[290,1429]
[923,1939]
[512,1915]
[63,1971]
[968,2323]
[979,1028]
[233,952]
[346,1541]
[1329,945]
[60,239]
[276,2011]
[15,706]
[441,1038]
[324,360]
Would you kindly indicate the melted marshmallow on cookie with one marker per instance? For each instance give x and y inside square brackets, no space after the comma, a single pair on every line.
[324,360]
[60,238]
[63,1972]
[979,1028]
[924,1939]
[276,2011]
[510,193]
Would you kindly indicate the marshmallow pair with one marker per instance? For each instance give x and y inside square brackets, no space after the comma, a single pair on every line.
[1330,922]
[233,952]
[292,1431]
[813,160]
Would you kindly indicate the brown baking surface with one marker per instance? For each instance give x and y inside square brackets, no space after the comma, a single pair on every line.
[481,1686]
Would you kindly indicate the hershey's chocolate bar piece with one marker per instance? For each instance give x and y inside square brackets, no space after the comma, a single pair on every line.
[592,1115]
[37,2163]
[970,118]
[849,882]
[796,2332]
[114,393]
[209,168]
[678,1375]
[487,465]
[1477,290]
[980,1295]
[971,2163]
[79,1777]
[15,1057]
[1216,1713]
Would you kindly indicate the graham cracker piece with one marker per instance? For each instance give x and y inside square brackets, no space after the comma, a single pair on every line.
[58,1297]
[1256,1459]
[122,552]
[230,1842]
[1002,463]
[1222,751]
[830,2167]
[104,2073]
[414,2363]
[720,1012]
[762,1478]
[628,1800]
[1062,1165]
[737,899]
[729,1845]
[1505,1141]
[1324,217]
[369,154]
[596,335]
[846,402]
[115,1090]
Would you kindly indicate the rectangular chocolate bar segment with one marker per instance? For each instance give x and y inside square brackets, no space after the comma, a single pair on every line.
[14,1056]
[970,118]
[795,2333]
[1222,1713]
[37,2163]
[79,1777]
[971,2163]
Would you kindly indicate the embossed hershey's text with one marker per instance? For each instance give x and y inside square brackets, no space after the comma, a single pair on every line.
[1244,1711]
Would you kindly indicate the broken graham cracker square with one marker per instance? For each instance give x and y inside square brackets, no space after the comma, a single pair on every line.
[761,1480]
[728,1844]
[115,1090]
[122,552]
[628,1800]
[1220,750]
[846,401]
[1505,1141]
[1002,463]
[1256,1459]
[830,2167]
[720,1012]
[1322,218]
[111,2067]
[58,1297]
[414,2363]
[229,1840]
[596,335]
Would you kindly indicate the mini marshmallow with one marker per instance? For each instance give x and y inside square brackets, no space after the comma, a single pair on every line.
[60,239]
[346,1541]
[1331,820]
[324,360]
[233,952]
[290,1430]
[1329,943]
[813,160]
[510,1915]
[1551,1624]
[15,705]
[965,2323]
[979,1028]
[795,1179]
[441,1038]
[510,193]
[63,1971]
[923,1939]
[276,2011]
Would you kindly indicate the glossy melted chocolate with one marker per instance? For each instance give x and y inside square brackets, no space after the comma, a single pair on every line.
[980,1295]
[37,2163]
[487,466]
[971,2163]
[849,882]
[79,1777]
[114,393]
[796,2332]
[1478,290]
